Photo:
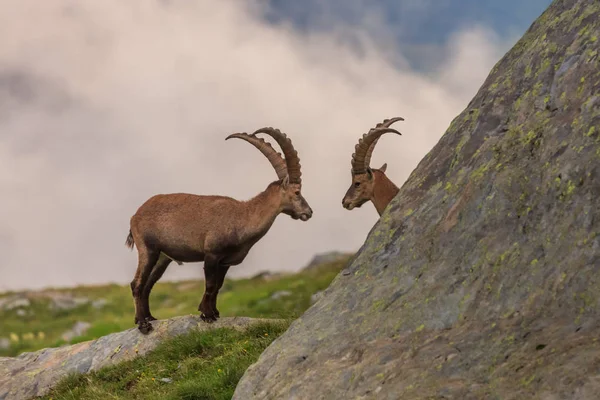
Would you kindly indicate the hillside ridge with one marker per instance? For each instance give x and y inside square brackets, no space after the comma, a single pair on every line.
[35,373]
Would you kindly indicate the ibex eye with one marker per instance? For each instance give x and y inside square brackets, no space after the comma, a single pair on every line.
[298,193]
[357,184]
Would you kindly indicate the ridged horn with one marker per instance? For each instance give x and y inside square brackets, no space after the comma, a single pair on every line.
[385,124]
[291,155]
[272,155]
[360,150]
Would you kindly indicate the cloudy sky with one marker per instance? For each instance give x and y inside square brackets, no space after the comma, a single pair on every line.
[106,103]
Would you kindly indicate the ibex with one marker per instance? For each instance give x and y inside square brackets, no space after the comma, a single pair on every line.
[218,230]
[370,184]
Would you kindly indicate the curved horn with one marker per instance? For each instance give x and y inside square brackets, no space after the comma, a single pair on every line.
[388,122]
[272,155]
[291,155]
[385,124]
[364,143]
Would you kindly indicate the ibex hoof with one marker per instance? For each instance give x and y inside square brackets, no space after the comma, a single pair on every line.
[145,327]
[208,318]
[136,321]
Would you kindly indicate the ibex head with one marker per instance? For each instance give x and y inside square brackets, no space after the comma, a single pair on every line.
[288,171]
[363,177]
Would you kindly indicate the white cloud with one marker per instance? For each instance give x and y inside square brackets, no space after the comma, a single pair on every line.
[122,100]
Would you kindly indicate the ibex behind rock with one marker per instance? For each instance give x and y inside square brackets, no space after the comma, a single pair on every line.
[370,184]
[218,230]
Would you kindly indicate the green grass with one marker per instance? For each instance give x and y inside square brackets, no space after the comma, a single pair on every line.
[42,326]
[199,365]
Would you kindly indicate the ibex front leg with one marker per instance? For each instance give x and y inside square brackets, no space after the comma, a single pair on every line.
[207,312]
[221,272]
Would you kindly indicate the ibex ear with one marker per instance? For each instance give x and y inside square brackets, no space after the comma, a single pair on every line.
[370,173]
[285,182]
[383,167]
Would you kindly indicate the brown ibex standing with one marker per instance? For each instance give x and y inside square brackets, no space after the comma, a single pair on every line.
[370,184]
[218,230]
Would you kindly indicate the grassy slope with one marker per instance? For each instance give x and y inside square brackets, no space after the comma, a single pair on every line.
[43,327]
[199,365]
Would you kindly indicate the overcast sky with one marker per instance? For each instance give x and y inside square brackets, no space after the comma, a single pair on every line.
[106,103]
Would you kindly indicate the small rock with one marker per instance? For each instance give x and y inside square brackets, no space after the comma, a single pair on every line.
[80,328]
[21,312]
[66,302]
[325,258]
[346,272]
[316,296]
[16,302]
[280,294]
[267,276]
[100,303]
[166,380]
[4,343]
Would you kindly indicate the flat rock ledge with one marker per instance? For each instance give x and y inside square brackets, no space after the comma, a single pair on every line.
[33,374]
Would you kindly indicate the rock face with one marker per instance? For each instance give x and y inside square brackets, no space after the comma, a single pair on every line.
[33,374]
[482,278]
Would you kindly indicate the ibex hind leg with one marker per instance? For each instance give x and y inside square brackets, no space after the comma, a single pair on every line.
[147,258]
[157,272]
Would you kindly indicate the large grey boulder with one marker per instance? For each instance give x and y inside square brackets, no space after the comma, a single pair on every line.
[34,374]
[482,278]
